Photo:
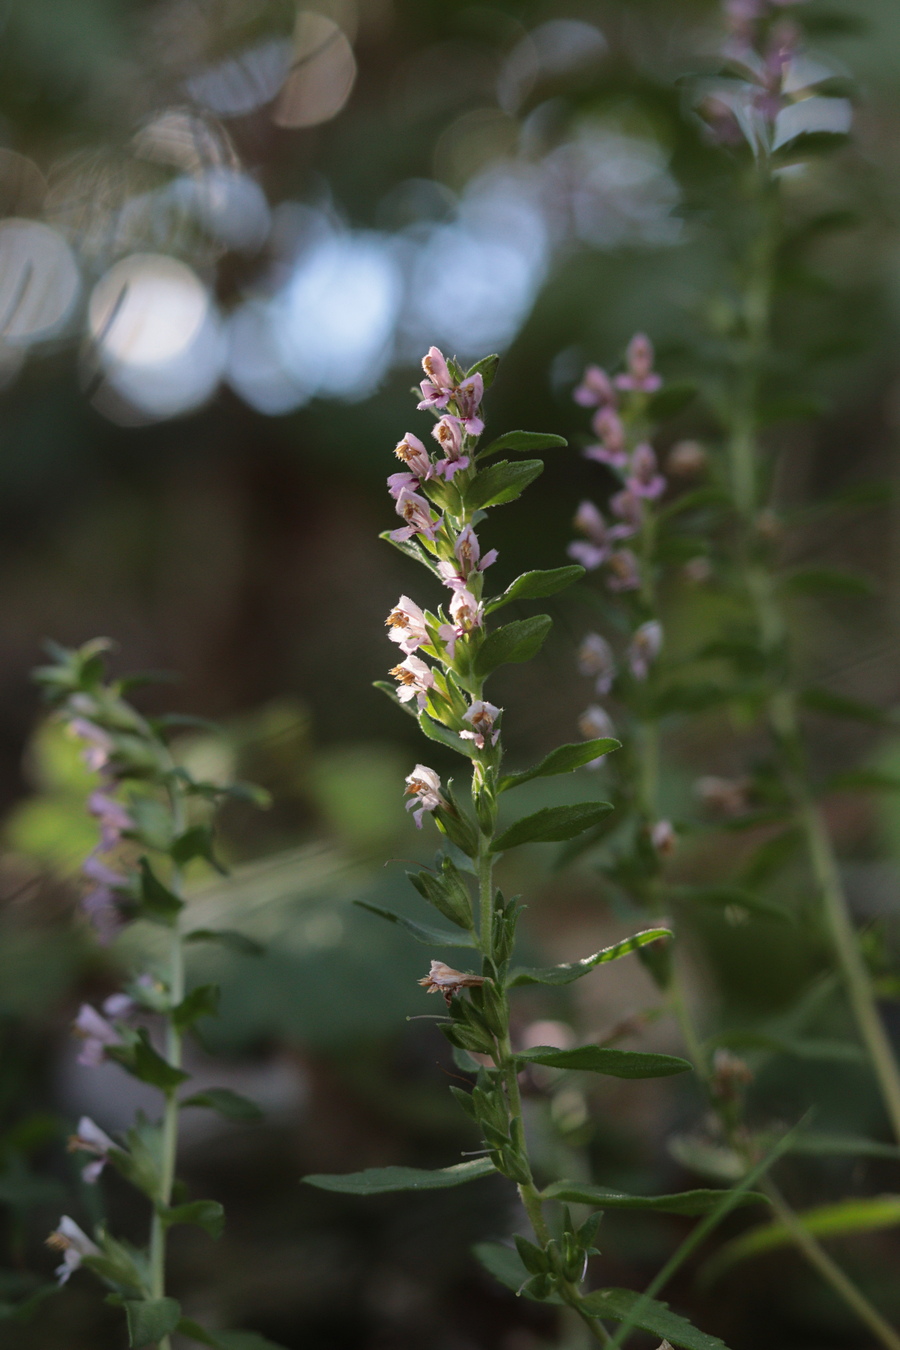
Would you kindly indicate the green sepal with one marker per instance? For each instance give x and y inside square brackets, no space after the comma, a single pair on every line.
[157,902]
[229,1104]
[385,1180]
[565,974]
[203,1001]
[564,759]
[227,937]
[150,1319]
[465,1101]
[536,586]
[552,824]
[602,1059]
[422,932]
[533,1258]
[206,1214]
[688,1203]
[523,442]
[515,642]
[501,483]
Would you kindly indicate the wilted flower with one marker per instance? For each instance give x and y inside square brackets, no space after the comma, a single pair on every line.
[445,980]
[89,1138]
[448,434]
[482,717]
[423,787]
[415,679]
[639,360]
[597,662]
[686,459]
[416,511]
[595,389]
[100,744]
[467,614]
[643,479]
[468,553]
[644,648]
[624,573]
[406,625]
[663,837]
[75,1245]
[98,1036]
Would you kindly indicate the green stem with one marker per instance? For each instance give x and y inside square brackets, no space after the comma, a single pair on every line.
[486,897]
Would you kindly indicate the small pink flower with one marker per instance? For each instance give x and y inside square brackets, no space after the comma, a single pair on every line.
[437,386]
[467,614]
[423,787]
[595,722]
[624,573]
[468,555]
[401,482]
[89,1138]
[448,434]
[411,452]
[482,717]
[406,624]
[645,647]
[415,679]
[468,401]
[75,1245]
[100,745]
[416,511]
[639,360]
[597,662]
[608,427]
[595,389]
[97,1034]
[589,520]
[630,510]
[643,479]
[114,819]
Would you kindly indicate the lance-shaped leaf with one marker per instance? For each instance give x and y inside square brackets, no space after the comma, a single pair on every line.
[865,1215]
[601,1059]
[142,1061]
[517,641]
[157,902]
[412,550]
[203,1001]
[227,937]
[524,442]
[150,1319]
[422,932]
[837,705]
[552,824]
[206,1214]
[827,581]
[502,482]
[225,1340]
[444,736]
[486,368]
[536,585]
[840,1145]
[229,1104]
[688,1203]
[565,974]
[197,842]
[383,1180]
[390,690]
[564,759]
[617,1305]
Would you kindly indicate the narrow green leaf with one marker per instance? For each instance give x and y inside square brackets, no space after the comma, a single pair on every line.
[203,1001]
[229,1104]
[143,1062]
[863,780]
[422,932]
[524,442]
[552,824]
[486,368]
[827,581]
[842,1145]
[564,759]
[565,974]
[412,550]
[517,641]
[383,1180]
[227,937]
[391,691]
[739,898]
[507,1268]
[197,842]
[688,1203]
[649,1315]
[837,705]
[502,482]
[818,1049]
[444,736]
[206,1214]
[600,1059]
[864,1215]
[150,1319]
[536,585]
[695,500]
[158,903]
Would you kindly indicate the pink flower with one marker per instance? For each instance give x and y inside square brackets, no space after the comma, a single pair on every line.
[482,717]
[97,1034]
[608,426]
[406,623]
[437,386]
[416,511]
[645,647]
[114,819]
[415,679]
[630,510]
[448,434]
[467,614]
[411,452]
[593,723]
[468,554]
[423,787]
[595,389]
[468,402]
[89,1138]
[75,1245]
[100,744]
[643,479]
[401,482]
[624,573]
[663,837]
[597,662]
[599,538]
[639,360]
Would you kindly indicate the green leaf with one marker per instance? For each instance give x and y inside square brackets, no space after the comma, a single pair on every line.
[227,937]
[200,1002]
[565,974]
[158,903]
[229,1104]
[845,1217]
[486,368]
[836,705]
[552,824]
[695,500]
[412,550]
[821,1049]
[422,932]
[150,1319]
[444,736]
[517,641]
[143,1062]
[736,898]
[391,691]
[225,1340]
[670,401]
[536,585]
[197,842]
[827,581]
[688,1203]
[524,442]
[502,482]
[564,759]
[206,1214]
[619,1304]
[842,1145]
[863,780]
[600,1059]
[383,1180]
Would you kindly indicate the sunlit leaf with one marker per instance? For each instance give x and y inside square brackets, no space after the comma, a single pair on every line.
[524,442]
[565,759]
[515,642]
[536,585]
[565,974]
[502,483]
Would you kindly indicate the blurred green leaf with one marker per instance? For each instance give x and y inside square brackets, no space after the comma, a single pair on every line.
[206,1214]
[383,1180]
[837,705]
[601,1059]
[565,974]
[670,400]
[687,1203]
[227,937]
[422,932]
[149,1320]
[203,1001]
[564,759]
[552,824]
[158,903]
[827,581]
[229,1104]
